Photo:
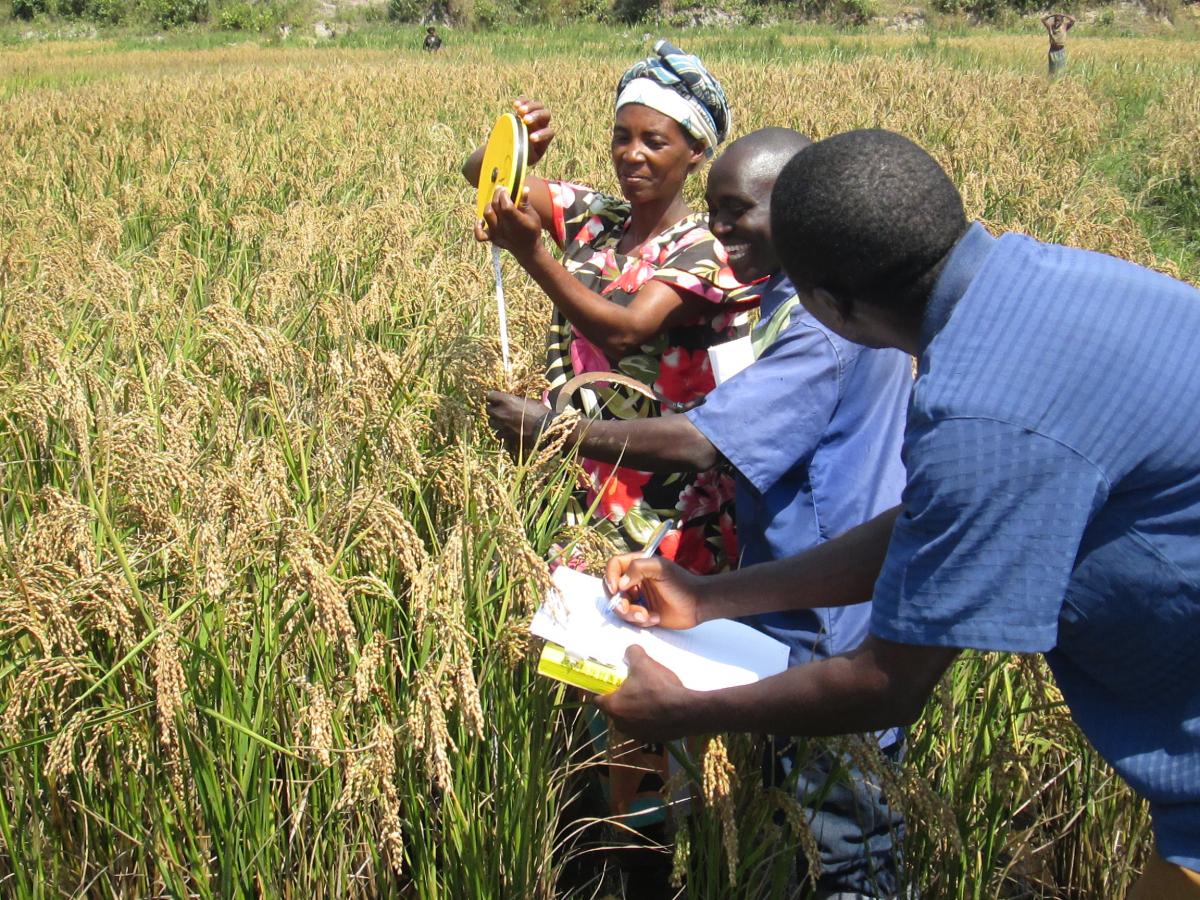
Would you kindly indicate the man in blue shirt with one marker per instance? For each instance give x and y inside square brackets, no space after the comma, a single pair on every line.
[1053,496]
[813,429]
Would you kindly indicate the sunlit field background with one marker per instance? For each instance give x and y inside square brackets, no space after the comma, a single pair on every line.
[264,573]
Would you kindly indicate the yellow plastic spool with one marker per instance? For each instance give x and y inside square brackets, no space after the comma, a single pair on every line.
[505,160]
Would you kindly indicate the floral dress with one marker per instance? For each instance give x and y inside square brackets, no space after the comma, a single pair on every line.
[588,226]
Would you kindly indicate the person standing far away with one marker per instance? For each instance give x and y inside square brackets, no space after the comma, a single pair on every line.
[1052,496]
[813,430]
[432,43]
[1057,25]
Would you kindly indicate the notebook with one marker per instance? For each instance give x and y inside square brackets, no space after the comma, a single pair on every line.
[587,643]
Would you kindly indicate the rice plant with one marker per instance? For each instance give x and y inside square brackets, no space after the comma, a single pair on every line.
[264,574]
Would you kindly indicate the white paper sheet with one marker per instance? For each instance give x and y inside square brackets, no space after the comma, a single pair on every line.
[729,358]
[714,655]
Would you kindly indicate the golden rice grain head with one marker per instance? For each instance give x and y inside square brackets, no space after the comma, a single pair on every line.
[467,693]
[169,685]
[591,545]
[108,603]
[365,673]
[428,731]
[391,834]
[61,532]
[318,716]
[381,532]
[681,855]
[210,564]
[514,643]
[799,826]
[718,781]
[60,758]
[42,689]
[905,789]
[308,575]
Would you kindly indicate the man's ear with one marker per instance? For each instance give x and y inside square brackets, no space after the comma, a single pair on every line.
[841,308]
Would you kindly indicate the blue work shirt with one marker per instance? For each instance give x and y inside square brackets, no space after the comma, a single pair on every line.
[1053,498]
[814,429]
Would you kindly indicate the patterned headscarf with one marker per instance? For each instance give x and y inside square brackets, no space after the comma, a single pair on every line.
[662,81]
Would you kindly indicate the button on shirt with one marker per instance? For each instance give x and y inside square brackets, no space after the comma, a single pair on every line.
[814,429]
[1053,498]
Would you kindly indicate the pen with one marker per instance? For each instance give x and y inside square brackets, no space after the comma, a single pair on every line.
[649,550]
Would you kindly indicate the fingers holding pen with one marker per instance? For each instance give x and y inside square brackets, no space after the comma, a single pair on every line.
[623,580]
[616,578]
[653,591]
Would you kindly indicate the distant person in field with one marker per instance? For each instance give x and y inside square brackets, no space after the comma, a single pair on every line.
[1057,25]
[432,43]
[1052,503]
[813,430]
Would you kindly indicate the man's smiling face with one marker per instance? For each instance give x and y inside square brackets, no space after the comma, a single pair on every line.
[739,213]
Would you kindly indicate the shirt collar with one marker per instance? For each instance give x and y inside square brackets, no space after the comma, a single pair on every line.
[775,290]
[966,259]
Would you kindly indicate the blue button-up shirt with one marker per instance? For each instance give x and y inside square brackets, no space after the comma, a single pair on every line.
[814,429]
[1053,498]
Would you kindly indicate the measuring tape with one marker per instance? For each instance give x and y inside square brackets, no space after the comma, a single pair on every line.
[504,164]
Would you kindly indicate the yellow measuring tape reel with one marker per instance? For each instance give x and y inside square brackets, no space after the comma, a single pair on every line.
[505,162]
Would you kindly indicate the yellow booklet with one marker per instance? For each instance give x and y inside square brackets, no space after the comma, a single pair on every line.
[586,643]
[594,677]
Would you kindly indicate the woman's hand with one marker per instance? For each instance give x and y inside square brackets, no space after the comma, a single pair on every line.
[537,119]
[511,226]
[670,594]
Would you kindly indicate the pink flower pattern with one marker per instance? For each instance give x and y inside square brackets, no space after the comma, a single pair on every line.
[684,376]
[688,258]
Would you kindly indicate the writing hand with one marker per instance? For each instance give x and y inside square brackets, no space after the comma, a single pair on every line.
[669,594]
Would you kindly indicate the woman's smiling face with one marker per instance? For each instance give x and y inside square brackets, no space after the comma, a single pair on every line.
[651,153]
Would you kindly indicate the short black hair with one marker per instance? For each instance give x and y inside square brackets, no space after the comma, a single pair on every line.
[778,145]
[867,215]
[763,152]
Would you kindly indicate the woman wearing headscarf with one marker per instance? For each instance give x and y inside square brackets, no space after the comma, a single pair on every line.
[643,289]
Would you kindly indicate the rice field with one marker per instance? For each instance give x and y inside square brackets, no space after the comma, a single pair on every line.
[265,575]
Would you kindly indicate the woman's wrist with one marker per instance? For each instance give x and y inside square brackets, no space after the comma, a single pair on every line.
[534,257]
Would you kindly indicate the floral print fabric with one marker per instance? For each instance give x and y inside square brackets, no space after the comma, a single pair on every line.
[588,226]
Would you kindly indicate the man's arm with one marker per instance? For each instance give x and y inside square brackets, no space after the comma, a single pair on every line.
[836,573]
[879,685]
[666,444]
